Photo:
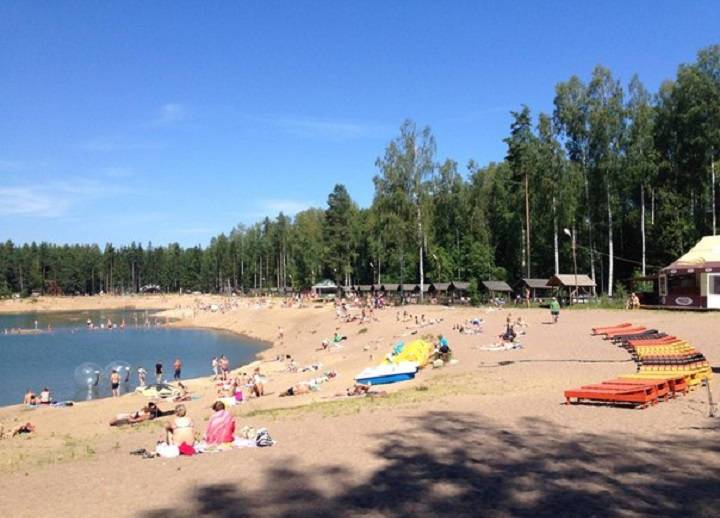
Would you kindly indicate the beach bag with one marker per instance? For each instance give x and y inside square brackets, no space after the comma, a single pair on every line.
[263,438]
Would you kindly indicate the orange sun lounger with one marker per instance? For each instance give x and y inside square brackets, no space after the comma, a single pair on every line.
[661,386]
[603,330]
[635,395]
[676,385]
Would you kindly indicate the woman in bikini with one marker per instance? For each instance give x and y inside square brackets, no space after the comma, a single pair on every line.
[181,430]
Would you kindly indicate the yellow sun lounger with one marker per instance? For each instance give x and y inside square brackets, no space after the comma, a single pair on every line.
[665,352]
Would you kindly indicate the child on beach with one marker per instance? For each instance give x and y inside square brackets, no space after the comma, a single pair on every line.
[141,376]
[555,310]
[177,366]
[215,367]
[115,383]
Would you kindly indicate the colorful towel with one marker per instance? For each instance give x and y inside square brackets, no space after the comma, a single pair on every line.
[220,428]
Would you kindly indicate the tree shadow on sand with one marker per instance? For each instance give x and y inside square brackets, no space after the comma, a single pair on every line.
[456,464]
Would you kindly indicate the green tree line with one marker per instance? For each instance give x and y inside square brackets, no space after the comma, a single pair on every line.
[629,173]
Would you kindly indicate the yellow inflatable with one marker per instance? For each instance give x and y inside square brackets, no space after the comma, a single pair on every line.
[417,351]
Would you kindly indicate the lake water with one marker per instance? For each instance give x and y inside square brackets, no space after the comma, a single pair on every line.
[50,357]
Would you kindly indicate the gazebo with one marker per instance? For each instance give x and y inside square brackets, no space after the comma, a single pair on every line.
[497,288]
[539,288]
[324,288]
[573,287]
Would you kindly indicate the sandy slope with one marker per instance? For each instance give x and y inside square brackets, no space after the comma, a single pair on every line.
[482,436]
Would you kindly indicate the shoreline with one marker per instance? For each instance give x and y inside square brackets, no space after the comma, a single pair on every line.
[261,345]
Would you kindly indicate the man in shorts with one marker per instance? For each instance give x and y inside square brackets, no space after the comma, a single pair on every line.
[177,367]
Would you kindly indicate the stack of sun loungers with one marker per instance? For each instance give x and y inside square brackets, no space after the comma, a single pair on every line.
[667,366]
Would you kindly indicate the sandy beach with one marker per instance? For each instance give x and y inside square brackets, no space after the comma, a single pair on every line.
[489,435]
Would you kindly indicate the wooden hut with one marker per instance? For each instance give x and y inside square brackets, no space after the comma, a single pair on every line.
[440,292]
[693,281]
[497,289]
[325,288]
[573,288]
[539,289]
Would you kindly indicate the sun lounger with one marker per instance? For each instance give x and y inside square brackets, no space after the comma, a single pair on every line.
[658,338]
[655,351]
[645,340]
[626,333]
[677,384]
[661,386]
[692,377]
[669,386]
[635,395]
[602,330]
[681,359]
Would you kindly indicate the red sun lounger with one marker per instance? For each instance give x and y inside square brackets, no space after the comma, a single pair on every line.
[642,395]
[602,330]
[661,386]
[677,385]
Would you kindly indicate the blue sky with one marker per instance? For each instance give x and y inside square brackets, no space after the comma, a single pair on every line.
[174,121]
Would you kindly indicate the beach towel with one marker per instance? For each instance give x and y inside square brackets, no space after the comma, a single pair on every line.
[220,428]
[502,347]
[167,451]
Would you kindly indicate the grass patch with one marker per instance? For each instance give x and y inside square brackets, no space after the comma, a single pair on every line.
[66,448]
[432,390]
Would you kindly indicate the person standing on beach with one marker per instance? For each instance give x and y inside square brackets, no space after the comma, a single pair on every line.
[177,366]
[115,383]
[215,367]
[555,310]
[141,376]
[224,367]
[158,372]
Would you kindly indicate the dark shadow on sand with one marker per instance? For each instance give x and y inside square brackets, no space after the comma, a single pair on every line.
[454,464]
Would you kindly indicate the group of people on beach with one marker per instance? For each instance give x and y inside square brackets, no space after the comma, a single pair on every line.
[220,367]
[179,435]
[44,398]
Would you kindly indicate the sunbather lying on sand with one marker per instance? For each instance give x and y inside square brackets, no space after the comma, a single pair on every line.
[184,394]
[23,428]
[360,389]
[296,390]
[146,413]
